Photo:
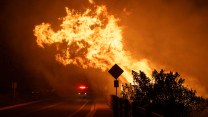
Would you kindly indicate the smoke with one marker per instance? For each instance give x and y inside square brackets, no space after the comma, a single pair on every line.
[170,34]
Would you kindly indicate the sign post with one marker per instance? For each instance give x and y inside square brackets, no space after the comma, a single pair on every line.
[116,71]
[116,84]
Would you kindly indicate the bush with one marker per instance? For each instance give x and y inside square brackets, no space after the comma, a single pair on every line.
[166,94]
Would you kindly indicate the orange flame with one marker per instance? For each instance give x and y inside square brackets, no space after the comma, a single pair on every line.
[91,1]
[93,39]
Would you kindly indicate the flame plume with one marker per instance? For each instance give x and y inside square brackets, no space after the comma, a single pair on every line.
[92,39]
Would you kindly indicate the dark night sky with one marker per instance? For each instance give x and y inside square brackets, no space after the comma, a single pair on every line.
[171,34]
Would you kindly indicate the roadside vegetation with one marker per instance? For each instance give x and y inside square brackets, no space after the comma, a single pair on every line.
[164,94]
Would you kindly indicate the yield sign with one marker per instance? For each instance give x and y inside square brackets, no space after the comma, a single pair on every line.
[115,71]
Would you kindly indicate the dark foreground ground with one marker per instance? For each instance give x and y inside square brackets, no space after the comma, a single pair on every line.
[59,107]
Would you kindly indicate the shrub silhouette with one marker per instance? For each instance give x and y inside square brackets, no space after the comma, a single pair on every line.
[166,94]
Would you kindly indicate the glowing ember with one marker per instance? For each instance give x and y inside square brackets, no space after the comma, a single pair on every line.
[91,39]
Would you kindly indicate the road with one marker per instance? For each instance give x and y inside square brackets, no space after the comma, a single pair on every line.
[80,107]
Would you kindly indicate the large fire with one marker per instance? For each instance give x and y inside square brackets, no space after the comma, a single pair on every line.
[92,39]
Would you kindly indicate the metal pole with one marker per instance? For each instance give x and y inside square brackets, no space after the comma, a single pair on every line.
[116,91]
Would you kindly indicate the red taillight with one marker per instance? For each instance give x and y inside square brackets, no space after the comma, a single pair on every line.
[82,87]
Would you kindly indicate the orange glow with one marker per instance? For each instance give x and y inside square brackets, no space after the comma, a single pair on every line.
[91,1]
[82,87]
[93,39]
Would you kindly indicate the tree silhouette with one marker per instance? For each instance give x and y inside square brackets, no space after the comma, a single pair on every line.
[166,94]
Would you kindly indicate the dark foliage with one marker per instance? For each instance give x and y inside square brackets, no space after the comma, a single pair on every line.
[166,94]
